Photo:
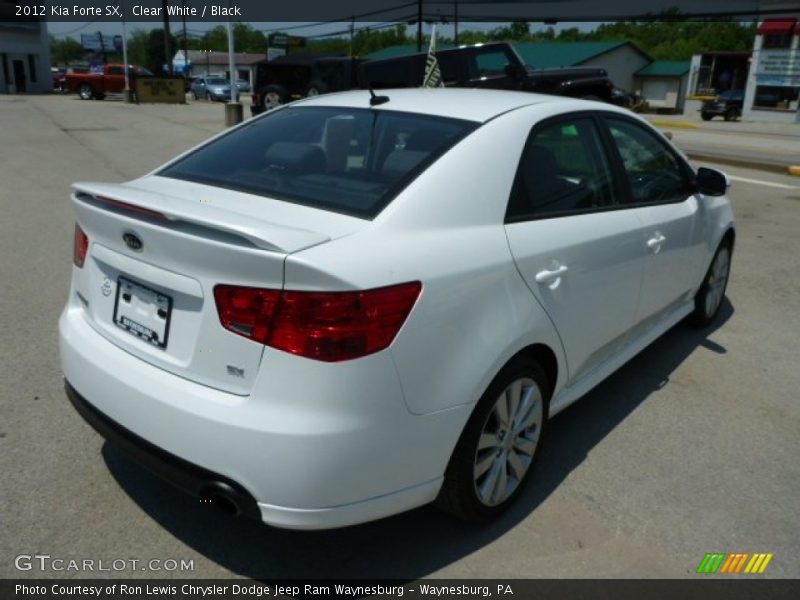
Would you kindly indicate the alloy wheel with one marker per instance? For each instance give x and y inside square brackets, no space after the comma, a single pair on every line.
[508,441]
[271,100]
[717,281]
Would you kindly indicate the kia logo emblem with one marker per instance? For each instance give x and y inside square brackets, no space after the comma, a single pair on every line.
[132,241]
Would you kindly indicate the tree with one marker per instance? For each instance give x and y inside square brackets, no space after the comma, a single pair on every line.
[65,51]
[146,48]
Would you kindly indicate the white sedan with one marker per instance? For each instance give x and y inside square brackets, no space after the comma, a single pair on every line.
[355,305]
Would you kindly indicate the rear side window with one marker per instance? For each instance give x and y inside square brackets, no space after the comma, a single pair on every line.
[563,170]
[348,160]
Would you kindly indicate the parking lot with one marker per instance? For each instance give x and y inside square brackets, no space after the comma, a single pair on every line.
[693,447]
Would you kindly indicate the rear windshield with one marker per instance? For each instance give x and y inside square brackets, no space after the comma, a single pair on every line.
[216,81]
[347,160]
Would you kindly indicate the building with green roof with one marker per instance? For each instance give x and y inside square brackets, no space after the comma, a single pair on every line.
[662,84]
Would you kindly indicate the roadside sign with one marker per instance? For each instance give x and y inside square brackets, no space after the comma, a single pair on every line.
[281,40]
[91,41]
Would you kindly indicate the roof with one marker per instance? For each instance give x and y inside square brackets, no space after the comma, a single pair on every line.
[199,58]
[539,54]
[459,103]
[777,27]
[401,50]
[665,68]
[564,54]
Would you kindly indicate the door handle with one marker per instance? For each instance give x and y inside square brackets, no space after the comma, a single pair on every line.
[547,276]
[654,243]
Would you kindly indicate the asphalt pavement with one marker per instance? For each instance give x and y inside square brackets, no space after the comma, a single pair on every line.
[691,448]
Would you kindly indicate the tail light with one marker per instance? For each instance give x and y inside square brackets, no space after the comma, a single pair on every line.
[326,326]
[80,247]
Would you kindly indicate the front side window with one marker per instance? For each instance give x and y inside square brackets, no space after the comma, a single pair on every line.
[348,160]
[563,170]
[654,173]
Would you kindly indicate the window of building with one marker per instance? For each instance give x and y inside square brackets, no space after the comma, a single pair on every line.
[774,97]
[32,68]
[777,40]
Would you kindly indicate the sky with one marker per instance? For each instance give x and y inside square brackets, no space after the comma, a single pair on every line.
[74,30]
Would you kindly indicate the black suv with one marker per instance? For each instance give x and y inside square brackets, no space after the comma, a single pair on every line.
[291,77]
[727,105]
[494,65]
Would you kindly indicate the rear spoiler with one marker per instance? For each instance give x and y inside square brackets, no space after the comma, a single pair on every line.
[178,213]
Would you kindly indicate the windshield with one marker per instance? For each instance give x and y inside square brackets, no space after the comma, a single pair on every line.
[732,95]
[217,81]
[348,160]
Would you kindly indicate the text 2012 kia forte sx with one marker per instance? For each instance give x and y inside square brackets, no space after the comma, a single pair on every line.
[351,306]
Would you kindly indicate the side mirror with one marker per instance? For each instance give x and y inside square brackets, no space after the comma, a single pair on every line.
[712,182]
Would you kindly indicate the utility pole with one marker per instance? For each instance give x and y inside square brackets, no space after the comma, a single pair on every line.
[455,24]
[352,34]
[127,93]
[185,45]
[419,26]
[102,47]
[233,109]
[167,53]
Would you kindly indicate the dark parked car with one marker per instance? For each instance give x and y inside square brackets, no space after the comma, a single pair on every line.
[727,105]
[288,78]
[495,65]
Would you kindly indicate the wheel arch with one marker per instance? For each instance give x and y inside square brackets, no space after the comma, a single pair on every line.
[546,357]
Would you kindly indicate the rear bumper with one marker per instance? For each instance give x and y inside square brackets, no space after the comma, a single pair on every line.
[316,445]
[186,476]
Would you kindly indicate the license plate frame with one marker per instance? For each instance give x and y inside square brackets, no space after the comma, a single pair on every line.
[140,296]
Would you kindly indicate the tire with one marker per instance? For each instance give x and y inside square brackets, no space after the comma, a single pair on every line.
[315,88]
[706,116]
[731,114]
[486,445]
[709,298]
[85,91]
[273,96]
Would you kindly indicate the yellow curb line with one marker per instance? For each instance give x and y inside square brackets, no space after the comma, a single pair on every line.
[678,124]
[794,170]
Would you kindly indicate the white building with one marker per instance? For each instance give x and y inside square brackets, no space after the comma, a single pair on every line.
[24,57]
[773,83]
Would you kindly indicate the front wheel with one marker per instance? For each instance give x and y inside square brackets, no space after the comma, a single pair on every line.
[706,116]
[86,92]
[708,300]
[495,453]
[731,114]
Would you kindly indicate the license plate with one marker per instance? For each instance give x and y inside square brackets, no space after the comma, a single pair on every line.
[143,312]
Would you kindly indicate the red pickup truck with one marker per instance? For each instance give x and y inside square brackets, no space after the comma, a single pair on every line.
[108,79]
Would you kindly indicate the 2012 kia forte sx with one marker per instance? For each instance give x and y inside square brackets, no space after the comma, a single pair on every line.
[355,305]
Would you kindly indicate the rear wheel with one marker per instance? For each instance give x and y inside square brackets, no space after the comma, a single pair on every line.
[85,92]
[731,114]
[495,453]
[315,88]
[709,297]
[274,96]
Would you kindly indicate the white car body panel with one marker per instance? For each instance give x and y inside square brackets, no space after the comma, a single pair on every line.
[321,444]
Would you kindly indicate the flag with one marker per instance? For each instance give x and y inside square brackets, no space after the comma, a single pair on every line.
[433,76]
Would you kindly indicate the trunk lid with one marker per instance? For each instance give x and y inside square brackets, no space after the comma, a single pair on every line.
[157,248]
